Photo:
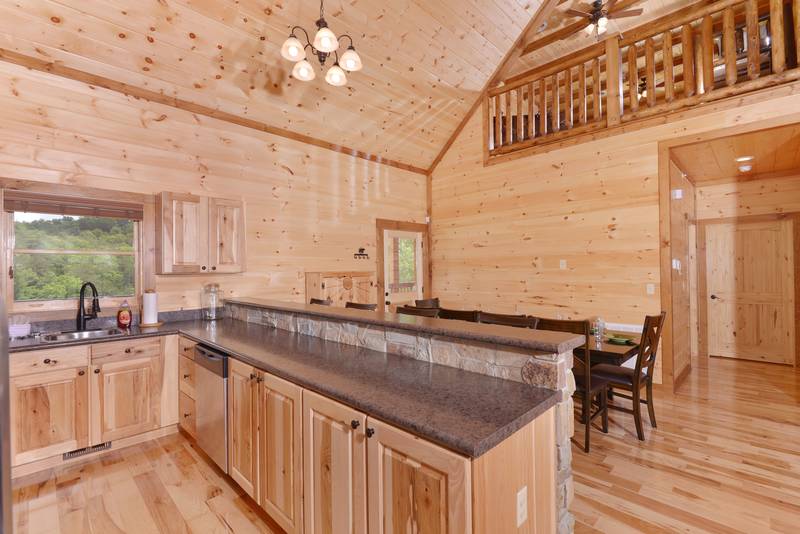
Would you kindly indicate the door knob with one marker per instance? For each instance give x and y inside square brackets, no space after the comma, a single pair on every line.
[714,297]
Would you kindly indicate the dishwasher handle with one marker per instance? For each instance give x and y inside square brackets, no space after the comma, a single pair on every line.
[214,361]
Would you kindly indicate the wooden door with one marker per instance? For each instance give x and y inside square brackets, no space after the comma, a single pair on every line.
[49,414]
[280,408]
[335,467]
[749,290]
[182,234]
[403,270]
[125,395]
[227,235]
[243,425]
[415,486]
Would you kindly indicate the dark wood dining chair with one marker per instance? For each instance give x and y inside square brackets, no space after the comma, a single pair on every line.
[321,302]
[421,312]
[634,378]
[427,303]
[459,315]
[588,386]
[360,306]
[520,321]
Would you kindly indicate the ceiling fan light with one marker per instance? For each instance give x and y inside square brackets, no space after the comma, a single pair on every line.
[351,61]
[293,49]
[602,22]
[336,76]
[589,29]
[325,40]
[303,71]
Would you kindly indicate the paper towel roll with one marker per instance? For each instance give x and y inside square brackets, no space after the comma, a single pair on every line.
[150,307]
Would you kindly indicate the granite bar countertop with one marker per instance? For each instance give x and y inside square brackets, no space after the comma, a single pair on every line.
[539,340]
[466,412]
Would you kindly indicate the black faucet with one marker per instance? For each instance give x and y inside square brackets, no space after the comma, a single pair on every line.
[82,315]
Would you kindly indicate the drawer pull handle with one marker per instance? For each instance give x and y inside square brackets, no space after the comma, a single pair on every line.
[127,351]
[355,424]
[47,361]
[252,376]
[81,373]
[186,377]
[186,415]
[187,349]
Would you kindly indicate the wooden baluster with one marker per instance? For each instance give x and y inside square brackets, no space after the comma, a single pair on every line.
[633,78]
[543,107]
[650,70]
[796,11]
[569,102]
[729,45]
[777,40]
[687,54]
[582,93]
[531,112]
[613,82]
[669,65]
[509,138]
[753,40]
[707,47]
[520,118]
[498,118]
[597,105]
[555,109]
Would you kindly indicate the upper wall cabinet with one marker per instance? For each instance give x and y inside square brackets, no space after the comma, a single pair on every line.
[197,235]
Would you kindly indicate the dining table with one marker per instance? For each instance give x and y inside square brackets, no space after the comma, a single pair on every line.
[611,353]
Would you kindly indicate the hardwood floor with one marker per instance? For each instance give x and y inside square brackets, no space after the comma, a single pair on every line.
[725,458]
[162,486]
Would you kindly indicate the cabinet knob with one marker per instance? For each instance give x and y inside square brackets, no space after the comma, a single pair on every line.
[128,350]
[260,379]
[370,432]
[355,424]
[81,373]
[186,415]
[187,349]
[203,267]
[47,361]
[185,377]
[214,268]
[97,371]
[252,376]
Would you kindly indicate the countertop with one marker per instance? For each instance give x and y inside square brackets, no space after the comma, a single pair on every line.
[525,338]
[466,412]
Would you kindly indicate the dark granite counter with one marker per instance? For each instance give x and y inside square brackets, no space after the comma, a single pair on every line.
[540,340]
[466,412]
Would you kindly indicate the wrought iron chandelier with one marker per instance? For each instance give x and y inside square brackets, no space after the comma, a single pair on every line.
[324,45]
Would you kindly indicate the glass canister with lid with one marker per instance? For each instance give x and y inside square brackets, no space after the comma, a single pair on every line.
[210,301]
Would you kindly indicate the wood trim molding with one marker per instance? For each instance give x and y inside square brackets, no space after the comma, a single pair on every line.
[538,18]
[63,71]
[403,226]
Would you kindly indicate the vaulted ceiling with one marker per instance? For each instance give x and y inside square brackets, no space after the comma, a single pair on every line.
[425,62]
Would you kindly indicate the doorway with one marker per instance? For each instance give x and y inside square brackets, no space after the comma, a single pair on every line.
[403,270]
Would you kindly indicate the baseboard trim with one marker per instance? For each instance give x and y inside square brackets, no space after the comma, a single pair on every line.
[681,376]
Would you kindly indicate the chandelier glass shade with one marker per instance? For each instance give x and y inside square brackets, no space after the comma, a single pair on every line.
[324,45]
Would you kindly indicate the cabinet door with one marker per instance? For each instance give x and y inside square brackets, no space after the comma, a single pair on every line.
[415,486]
[182,234]
[49,414]
[281,475]
[125,395]
[227,235]
[363,290]
[334,470]
[243,426]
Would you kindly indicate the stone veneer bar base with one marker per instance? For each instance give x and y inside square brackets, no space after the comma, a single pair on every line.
[552,371]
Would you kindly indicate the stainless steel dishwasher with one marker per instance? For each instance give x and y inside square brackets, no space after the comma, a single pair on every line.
[211,406]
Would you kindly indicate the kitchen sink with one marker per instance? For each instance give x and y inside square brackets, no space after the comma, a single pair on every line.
[78,335]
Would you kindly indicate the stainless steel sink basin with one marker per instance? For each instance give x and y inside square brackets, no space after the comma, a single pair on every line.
[54,337]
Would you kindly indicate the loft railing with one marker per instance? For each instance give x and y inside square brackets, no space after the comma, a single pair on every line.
[698,55]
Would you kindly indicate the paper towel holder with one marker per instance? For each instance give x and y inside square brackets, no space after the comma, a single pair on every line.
[142,324]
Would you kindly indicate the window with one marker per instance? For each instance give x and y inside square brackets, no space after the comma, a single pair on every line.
[404,265]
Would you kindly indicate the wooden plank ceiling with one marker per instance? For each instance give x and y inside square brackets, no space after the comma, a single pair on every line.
[774,151]
[424,62]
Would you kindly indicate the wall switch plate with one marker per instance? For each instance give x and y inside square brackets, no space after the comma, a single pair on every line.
[562,264]
[522,506]
[677,194]
[676,264]
[651,289]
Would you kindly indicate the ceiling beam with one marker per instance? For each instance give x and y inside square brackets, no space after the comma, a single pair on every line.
[58,69]
[538,18]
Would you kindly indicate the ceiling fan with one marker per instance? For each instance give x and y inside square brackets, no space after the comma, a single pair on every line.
[600,14]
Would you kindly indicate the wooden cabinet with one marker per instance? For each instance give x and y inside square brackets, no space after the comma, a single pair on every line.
[334,467]
[49,412]
[243,426]
[196,235]
[415,486]
[342,287]
[186,376]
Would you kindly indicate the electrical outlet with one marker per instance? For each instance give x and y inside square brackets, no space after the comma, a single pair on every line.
[562,264]
[651,289]
[522,506]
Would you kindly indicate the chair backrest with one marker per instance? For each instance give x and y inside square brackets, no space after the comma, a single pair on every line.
[520,321]
[648,346]
[427,303]
[360,306]
[583,328]
[421,312]
[460,315]
[321,302]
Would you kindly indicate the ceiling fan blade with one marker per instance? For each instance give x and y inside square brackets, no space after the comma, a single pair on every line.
[626,13]
[576,13]
[610,4]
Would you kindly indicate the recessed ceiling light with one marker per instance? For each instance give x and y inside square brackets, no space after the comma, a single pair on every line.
[745,168]
[743,159]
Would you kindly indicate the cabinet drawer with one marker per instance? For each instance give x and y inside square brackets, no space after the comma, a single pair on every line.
[139,348]
[187,415]
[186,370]
[38,361]
[186,347]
